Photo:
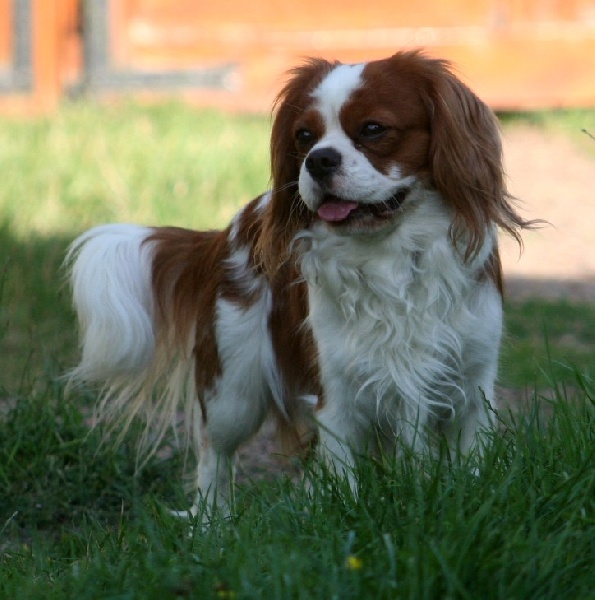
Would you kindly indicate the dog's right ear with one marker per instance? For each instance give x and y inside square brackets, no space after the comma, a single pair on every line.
[286,214]
[465,155]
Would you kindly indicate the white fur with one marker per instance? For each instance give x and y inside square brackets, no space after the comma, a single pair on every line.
[238,264]
[408,339]
[335,89]
[241,397]
[111,284]
[140,371]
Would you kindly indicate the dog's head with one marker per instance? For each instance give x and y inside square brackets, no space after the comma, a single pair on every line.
[350,142]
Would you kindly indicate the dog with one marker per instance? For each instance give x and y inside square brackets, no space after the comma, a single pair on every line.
[366,280]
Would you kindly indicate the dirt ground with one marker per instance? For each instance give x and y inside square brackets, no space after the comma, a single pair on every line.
[554,179]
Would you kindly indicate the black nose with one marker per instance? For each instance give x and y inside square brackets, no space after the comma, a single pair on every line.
[323,162]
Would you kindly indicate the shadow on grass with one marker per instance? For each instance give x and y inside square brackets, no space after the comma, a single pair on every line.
[54,470]
[549,333]
[37,331]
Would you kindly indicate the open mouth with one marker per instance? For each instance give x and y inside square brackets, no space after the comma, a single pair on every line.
[339,211]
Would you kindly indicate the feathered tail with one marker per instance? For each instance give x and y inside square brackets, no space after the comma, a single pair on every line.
[126,350]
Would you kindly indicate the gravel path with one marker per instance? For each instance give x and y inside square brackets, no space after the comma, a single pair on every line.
[554,179]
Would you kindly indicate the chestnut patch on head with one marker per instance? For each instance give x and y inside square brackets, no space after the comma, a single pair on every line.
[387,119]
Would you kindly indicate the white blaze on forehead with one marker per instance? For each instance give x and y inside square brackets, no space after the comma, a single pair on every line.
[335,89]
[357,179]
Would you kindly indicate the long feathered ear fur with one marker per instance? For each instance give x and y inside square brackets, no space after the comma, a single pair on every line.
[286,214]
[466,159]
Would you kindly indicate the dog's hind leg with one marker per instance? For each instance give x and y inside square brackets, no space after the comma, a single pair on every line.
[231,418]
[238,401]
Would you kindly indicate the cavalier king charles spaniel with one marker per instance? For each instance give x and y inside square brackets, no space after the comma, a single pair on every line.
[362,292]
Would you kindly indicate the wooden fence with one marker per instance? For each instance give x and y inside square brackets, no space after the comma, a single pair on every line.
[517,54]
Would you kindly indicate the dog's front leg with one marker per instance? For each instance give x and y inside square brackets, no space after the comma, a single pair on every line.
[339,438]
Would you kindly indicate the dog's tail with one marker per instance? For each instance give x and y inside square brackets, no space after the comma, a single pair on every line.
[124,346]
[110,273]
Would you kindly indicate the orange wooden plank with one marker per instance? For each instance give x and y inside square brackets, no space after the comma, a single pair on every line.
[69,40]
[47,88]
[5,34]
[514,53]
[309,14]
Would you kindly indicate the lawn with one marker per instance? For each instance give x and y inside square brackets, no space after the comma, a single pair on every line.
[77,521]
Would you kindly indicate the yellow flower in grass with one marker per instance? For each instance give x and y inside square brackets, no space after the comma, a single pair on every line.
[222,591]
[354,563]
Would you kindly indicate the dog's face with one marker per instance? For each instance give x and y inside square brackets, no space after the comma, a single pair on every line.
[359,153]
[351,142]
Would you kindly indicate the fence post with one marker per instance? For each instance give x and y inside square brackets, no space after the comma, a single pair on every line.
[46,66]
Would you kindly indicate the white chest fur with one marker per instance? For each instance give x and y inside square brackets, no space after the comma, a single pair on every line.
[406,331]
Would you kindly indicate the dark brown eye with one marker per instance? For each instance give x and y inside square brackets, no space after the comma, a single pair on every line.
[371,130]
[304,137]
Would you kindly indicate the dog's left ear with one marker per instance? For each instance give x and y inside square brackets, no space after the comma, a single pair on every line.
[286,214]
[466,160]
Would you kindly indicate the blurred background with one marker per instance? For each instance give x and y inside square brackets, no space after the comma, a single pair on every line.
[517,54]
[158,112]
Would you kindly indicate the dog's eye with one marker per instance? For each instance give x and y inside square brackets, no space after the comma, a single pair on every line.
[371,130]
[304,137]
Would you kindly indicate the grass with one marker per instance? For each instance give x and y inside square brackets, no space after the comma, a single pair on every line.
[77,521]
[87,528]
[89,165]
[546,342]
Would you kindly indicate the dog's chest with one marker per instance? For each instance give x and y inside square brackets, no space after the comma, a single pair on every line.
[357,312]
[388,323]
[368,314]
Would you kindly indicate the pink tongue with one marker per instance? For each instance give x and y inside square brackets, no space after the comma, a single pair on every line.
[336,211]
